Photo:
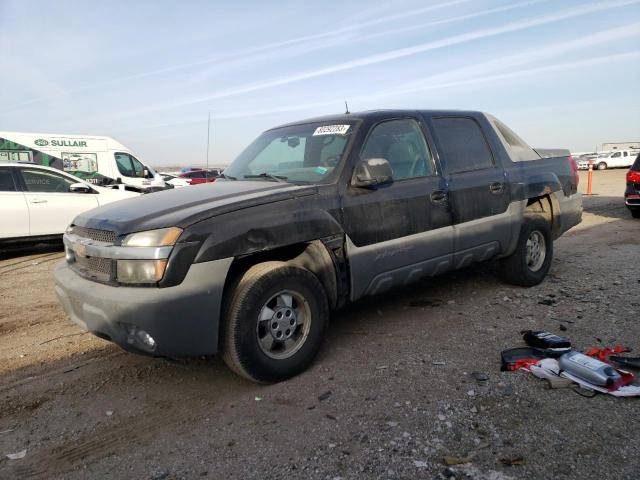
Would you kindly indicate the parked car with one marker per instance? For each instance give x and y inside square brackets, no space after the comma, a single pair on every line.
[37,203]
[614,159]
[88,157]
[583,160]
[196,177]
[632,193]
[174,180]
[312,215]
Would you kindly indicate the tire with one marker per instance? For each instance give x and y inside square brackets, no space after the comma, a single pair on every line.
[518,268]
[635,212]
[602,166]
[266,289]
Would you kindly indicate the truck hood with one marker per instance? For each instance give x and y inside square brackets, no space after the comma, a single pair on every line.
[185,206]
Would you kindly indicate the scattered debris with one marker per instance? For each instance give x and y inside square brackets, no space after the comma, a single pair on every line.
[258,399]
[480,376]
[420,464]
[450,460]
[109,413]
[438,363]
[324,396]
[17,455]
[512,461]
[425,302]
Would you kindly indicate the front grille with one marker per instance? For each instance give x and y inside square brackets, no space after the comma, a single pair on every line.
[96,265]
[105,236]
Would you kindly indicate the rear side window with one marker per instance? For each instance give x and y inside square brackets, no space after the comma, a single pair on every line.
[6,181]
[462,144]
[636,164]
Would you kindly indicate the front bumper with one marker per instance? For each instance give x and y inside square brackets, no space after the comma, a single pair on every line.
[182,320]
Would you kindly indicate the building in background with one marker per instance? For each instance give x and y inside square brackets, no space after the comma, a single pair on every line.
[620,146]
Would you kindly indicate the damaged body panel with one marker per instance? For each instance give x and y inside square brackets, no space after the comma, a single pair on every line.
[363,202]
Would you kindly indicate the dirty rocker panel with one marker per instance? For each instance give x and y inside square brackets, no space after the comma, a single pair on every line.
[378,267]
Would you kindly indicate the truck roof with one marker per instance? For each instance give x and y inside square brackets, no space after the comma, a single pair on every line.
[378,114]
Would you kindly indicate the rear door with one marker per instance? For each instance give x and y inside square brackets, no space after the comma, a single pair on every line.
[51,206]
[14,213]
[399,232]
[478,190]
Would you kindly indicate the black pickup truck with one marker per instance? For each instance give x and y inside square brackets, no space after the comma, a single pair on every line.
[312,215]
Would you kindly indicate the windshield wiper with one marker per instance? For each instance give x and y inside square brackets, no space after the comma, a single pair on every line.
[227,177]
[275,178]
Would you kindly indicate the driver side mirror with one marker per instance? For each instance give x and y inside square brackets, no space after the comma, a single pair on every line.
[80,188]
[372,172]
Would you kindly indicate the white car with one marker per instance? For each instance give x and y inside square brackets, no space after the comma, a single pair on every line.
[174,180]
[38,202]
[614,159]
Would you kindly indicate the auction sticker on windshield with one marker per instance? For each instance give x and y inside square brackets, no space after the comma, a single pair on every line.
[332,130]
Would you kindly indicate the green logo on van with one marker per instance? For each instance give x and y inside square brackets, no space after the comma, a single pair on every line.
[41,142]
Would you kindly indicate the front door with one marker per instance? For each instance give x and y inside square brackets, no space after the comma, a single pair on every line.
[13,207]
[478,189]
[399,232]
[52,206]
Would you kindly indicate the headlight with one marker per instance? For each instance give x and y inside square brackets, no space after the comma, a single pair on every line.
[140,271]
[162,237]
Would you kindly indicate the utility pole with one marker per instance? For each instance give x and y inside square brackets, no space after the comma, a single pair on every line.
[208,137]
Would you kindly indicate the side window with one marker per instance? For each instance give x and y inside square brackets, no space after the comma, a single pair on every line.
[129,166]
[624,154]
[80,162]
[616,155]
[402,144]
[463,145]
[6,181]
[44,181]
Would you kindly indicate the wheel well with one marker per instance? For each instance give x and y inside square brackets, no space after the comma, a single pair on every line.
[546,206]
[316,256]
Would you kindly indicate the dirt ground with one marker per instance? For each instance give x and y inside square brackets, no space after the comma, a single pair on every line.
[390,395]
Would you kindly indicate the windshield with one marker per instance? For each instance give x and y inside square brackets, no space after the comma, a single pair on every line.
[306,153]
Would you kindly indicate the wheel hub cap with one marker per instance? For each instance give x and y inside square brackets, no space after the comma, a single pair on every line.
[283,323]
[536,251]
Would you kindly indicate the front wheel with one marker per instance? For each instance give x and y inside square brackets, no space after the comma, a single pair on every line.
[529,263]
[274,322]
[602,166]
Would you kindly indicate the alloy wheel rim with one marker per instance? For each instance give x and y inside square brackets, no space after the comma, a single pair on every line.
[284,322]
[535,251]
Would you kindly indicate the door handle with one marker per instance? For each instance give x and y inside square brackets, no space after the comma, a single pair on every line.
[496,187]
[439,197]
[38,200]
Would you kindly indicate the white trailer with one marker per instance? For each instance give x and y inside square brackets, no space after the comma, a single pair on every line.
[98,160]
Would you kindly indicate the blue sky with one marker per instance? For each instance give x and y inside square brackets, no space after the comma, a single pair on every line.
[560,73]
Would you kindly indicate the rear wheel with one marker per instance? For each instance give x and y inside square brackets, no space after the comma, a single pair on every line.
[274,322]
[531,260]
[602,166]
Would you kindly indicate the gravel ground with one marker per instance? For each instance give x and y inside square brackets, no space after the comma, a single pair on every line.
[392,395]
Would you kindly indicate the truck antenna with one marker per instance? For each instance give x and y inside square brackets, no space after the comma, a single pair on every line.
[208,136]
[346,107]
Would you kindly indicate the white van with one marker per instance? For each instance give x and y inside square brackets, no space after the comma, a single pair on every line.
[615,159]
[97,160]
